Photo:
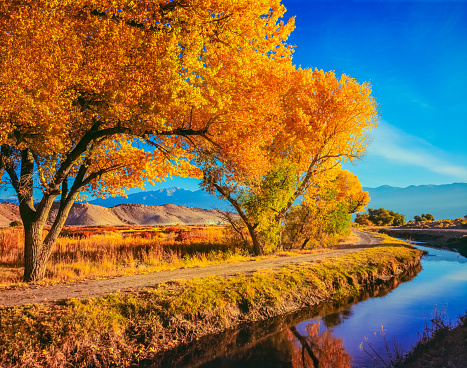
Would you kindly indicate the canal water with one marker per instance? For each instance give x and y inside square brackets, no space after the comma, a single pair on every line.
[353,334]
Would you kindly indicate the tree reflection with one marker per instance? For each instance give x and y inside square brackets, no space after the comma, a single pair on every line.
[315,350]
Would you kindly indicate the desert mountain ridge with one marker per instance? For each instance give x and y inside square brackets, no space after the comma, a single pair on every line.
[447,201]
[83,214]
[442,201]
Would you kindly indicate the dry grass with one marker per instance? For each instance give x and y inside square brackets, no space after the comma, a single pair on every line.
[459,223]
[122,329]
[104,252]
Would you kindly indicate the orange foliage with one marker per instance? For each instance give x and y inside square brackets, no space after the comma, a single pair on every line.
[315,349]
[105,96]
[163,70]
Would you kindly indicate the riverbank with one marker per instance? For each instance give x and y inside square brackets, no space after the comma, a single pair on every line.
[124,328]
[446,348]
[450,239]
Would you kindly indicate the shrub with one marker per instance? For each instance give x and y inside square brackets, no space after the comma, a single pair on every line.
[384,217]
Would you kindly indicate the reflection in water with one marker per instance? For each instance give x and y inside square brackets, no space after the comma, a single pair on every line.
[317,350]
[269,343]
[329,336]
[335,319]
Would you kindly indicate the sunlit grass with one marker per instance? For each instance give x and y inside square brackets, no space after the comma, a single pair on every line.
[123,328]
[101,252]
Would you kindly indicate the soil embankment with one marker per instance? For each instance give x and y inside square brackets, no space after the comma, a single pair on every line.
[94,288]
[124,328]
[450,239]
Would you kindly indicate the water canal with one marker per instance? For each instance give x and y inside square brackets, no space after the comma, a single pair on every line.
[333,334]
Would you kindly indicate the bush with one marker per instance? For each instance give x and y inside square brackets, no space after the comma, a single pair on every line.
[16,223]
[424,218]
[383,217]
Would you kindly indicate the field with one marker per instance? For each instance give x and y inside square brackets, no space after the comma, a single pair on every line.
[96,252]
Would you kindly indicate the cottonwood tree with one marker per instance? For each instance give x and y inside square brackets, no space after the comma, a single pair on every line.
[324,122]
[327,121]
[103,96]
[325,211]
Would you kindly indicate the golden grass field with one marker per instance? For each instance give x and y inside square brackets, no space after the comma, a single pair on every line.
[108,251]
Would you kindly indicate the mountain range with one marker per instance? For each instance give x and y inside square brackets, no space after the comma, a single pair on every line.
[178,196]
[442,201]
[85,214]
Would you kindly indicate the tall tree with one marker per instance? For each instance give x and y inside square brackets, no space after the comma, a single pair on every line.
[102,96]
[327,121]
[324,122]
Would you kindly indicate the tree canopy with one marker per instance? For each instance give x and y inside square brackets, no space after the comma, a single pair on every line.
[103,96]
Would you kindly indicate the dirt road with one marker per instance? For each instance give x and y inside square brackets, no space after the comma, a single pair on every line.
[93,288]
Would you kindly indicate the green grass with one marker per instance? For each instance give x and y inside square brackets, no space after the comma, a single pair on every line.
[120,328]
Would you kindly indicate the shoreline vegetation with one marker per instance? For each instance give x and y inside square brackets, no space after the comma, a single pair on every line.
[90,253]
[441,345]
[124,329]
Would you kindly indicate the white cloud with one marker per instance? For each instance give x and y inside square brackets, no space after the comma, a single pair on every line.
[395,145]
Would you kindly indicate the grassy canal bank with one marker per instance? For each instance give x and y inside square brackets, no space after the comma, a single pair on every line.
[122,329]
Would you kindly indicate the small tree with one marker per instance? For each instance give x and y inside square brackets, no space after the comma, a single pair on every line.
[380,216]
[257,201]
[325,211]
[429,217]
[424,218]
[362,219]
[384,217]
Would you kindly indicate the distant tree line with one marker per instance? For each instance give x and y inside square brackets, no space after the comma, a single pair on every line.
[384,217]
[380,217]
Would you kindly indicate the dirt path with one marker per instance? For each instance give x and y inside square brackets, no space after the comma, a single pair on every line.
[53,293]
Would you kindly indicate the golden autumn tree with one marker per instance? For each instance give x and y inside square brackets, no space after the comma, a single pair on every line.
[327,121]
[325,211]
[323,122]
[101,96]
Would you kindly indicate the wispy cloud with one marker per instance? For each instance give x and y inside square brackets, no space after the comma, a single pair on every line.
[395,145]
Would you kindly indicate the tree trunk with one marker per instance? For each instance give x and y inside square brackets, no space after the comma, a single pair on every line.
[280,223]
[257,247]
[35,254]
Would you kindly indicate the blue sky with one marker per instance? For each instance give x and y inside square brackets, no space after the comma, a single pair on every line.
[414,53]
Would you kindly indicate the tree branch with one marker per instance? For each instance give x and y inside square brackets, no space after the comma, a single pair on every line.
[7,164]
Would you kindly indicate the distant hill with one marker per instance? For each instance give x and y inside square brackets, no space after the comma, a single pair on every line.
[83,214]
[174,195]
[9,212]
[442,201]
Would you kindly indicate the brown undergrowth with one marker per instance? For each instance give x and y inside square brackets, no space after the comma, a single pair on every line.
[122,329]
[97,252]
[103,252]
